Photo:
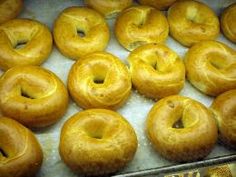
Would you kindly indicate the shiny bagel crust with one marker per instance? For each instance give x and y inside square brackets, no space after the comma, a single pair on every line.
[99,80]
[191,22]
[158,4]
[97,142]
[38,41]
[228,22]
[139,25]
[211,67]
[10,9]
[156,71]
[74,20]
[193,141]
[23,155]
[33,96]
[224,109]
[109,9]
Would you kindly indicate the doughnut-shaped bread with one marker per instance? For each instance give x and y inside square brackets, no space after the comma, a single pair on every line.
[79,31]
[228,22]
[158,4]
[9,9]
[191,22]
[141,25]
[33,96]
[99,80]
[181,129]
[20,152]
[97,142]
[219,171]
[211,67]
[156,70]
[224,109]
[109,9]
[36,37]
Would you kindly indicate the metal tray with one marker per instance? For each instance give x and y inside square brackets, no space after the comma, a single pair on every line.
[146,160]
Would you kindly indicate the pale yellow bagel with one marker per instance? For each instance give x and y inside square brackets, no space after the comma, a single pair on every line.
[181,129]
[99,80]
[156,71]
[141,25]
[97,142]
[228,22]
[92,28]
[211,67]
[33,96]
[109,9]
[9,9]
[35,35]
[224,107]
[20,152]
[191,22]
[159,4]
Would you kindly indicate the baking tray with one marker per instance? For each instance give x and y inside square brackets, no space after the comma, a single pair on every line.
[146,161]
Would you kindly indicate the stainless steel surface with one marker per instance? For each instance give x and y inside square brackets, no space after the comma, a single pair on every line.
[146,160]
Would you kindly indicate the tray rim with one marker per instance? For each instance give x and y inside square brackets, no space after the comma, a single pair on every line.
[182,167]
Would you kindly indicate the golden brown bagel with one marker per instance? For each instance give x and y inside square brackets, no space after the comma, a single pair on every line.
[79,31]
[99,80]
[140,25]
[20,152]
[181,129]
[109,9]
[211,67]
[224,109]
[33,96]
[156,70]
[97,142]
[9,9]
[191,22]
[159,4]
[220,171]
[35,35]
[228,22]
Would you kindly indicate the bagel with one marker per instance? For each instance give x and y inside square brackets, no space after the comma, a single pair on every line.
[158,4]
[109,9]
[156,71]
[9,9]
[97,142]
[192,21]
[219,171]
[99,80]
[36,37]
[141,25]
[79,31]
[224,107]
[33,96]
[211,67]
[177,127]
[20,152]
[228,22]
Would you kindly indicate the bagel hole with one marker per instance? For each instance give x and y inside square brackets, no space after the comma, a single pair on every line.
[98,81]
[80,33]
[95,128]
[154,65]
[20,45]
[3,153]
[96,136]
[218,62]
[178,124]
[136,44]
[26,95]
